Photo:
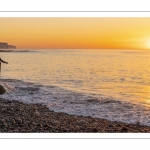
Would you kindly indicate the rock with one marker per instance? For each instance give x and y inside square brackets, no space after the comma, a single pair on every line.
[2,90]
[118,125]
[111,126]
[82,122]
[37,113]
[137,123]
[124,129]
[95,124]
[95,130]
[19,120]
[4,109]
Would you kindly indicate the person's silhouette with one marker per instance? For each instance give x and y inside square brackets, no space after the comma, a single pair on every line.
[0,64]
[3,61]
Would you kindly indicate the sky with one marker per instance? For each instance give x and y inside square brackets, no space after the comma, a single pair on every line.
[76,33]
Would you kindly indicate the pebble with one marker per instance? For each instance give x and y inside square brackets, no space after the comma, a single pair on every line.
[95,124]
[37,113]
[82,122]
[124,129]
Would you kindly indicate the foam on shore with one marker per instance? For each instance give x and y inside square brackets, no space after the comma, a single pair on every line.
[62,100]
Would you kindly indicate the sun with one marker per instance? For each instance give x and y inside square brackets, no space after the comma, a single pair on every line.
[148,44]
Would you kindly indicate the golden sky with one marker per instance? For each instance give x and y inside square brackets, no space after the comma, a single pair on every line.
[76,33]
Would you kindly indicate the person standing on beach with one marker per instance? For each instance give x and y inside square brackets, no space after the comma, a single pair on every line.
[0,64]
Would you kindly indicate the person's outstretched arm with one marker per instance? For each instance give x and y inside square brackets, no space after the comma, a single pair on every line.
[3,61]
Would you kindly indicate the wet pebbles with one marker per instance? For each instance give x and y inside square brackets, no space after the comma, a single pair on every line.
[17,117]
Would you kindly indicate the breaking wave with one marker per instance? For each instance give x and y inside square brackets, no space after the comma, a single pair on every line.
[62,100]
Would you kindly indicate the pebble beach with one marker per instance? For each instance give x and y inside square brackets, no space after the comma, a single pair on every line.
[17,117]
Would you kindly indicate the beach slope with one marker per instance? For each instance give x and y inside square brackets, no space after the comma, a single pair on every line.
[17,117]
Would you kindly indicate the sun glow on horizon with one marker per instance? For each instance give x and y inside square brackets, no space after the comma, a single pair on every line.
[148,44]
[76,33]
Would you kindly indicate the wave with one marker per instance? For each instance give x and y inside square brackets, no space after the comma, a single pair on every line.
[62,100]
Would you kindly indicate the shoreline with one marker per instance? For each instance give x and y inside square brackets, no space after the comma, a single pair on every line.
[17,117]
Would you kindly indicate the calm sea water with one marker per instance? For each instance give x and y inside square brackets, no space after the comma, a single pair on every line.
[112,84]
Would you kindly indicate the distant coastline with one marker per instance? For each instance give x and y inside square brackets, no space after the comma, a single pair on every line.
[4,45]
[6,50]
[3,51]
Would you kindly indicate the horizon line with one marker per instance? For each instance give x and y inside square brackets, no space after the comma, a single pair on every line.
[79,49]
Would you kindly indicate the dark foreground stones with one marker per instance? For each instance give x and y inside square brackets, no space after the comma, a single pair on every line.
[2,90]
[17,117]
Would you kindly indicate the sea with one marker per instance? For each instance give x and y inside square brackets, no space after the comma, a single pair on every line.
[109,84]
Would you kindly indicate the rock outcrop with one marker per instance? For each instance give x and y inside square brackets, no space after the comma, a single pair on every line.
[2,90]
